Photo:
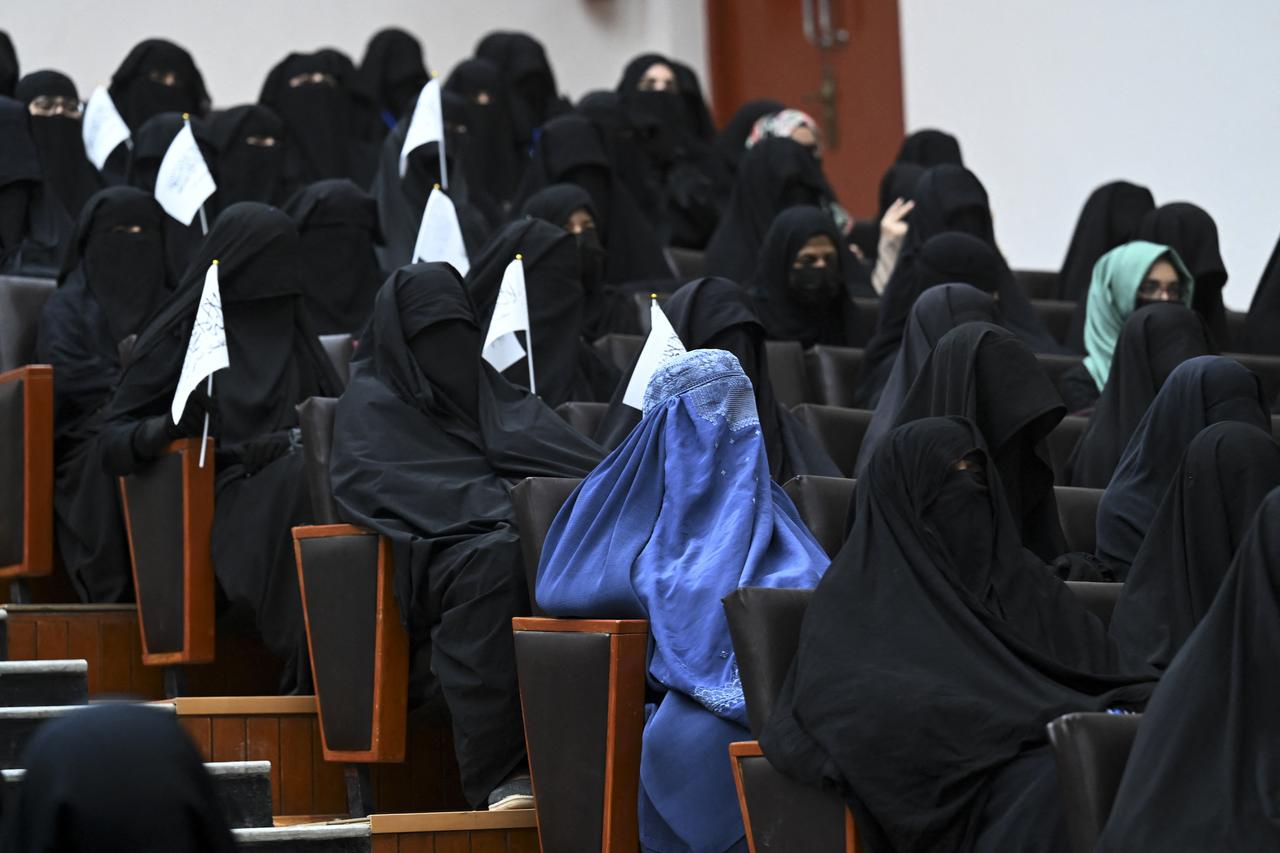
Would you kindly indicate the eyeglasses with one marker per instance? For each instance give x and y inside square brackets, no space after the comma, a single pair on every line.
[47,106]
[807,261]
[1167,291]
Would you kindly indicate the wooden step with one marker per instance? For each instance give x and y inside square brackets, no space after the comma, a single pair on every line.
[344,837]
[19,725]
[514,831]
[43,682]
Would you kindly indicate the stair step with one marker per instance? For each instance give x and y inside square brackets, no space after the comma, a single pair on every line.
[19,725]
[243,788]
[349,837]
[28,683]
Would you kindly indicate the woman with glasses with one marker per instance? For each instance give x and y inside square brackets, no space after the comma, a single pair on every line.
[54,108]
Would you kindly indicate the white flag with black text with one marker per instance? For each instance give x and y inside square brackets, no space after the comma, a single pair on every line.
[662,345]
[184,182]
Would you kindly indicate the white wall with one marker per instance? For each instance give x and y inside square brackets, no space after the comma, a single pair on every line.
[1051,98]
[235,42]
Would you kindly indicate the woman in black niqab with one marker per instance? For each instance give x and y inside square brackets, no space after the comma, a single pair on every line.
[250,142]
[33,223]
[1200,775]
[8,66]
[531,84]
[59,143]
[566,368]
[1263,320]
[491,162]
[113,277]
[276,363]
[1227,471]
[426,439]
[934,731]
[731,141]
[1201,391]
[930,147]
[73,798]
[1155,340]
[393,72]
[157,77]
[338,225]
[797,298]
[1191,232]
[715,313]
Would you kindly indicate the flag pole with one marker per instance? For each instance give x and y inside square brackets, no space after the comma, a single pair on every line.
[204,435]
[444,169]
[528,333]
[204,229]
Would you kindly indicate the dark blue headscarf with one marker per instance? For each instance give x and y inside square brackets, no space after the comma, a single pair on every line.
[681,514]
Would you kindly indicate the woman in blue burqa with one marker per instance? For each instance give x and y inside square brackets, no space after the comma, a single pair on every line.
[681,514]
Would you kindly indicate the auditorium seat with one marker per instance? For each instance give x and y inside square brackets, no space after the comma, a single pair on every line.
[1078,512]
[21,300]
[1267,368]
[840,431]
[868,317]
[619,350]
[1037,284]
[26,472]
[832,374]
[583,417]
[359,648]
[686,264]
[643,305]
[168,514]
[823,504]
[779,814]
[340,349]
[1056,316]
[1237,334]
[582,689]
[1091,750]
[786,371]
[1062,441]
[1056,364]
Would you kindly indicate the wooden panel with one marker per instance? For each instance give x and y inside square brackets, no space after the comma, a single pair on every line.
[229,739]
[416,843]
[201,731]
[295,766]
[84,640]
[453,842]
[428,780]
[22,639]
[262,743]
[625,730]
[386,844]
[489,841]
[523,841]
[113,674]
[37,471]
[51,639]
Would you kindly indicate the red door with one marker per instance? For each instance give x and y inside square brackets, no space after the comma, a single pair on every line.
[838,60]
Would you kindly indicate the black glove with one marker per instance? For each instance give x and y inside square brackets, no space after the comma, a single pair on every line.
[261,452]
[152,435]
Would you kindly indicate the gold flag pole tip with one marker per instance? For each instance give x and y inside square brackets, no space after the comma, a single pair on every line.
[519,257]
[437,186]
[215,262]
[186,116]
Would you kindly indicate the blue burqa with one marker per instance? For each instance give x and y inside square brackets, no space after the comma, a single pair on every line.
[681,514]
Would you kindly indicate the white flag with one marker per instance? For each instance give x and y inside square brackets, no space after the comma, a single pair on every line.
[427,125]
[102,127]
[510,315]
[439,235]
[207,349]
[662,345]
[183,182]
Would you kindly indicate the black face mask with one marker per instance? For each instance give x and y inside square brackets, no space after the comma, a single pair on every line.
[126,274]
[448,354]
[591,256]
[962,518]
[797,194]
[813,287]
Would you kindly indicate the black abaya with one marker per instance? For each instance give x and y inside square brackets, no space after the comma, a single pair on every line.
[491,163]
[1192,233]
[430,470]
[1227,471]
[1201,391]
[63,162]
[8,66]
[157,77]
[1155,339]
[1262,326]
[715,313]
[338,224]
[276,363]
[33,224]
[929,148]
[731,141]
[965,648]
[530,82]
[251,143]
[393,72]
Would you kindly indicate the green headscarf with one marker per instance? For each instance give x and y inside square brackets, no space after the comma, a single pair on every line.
[1113,295]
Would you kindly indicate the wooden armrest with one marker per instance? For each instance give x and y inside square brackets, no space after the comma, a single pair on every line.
[581,626]
[36,557]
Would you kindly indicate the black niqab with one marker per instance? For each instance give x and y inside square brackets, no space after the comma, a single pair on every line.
[1227,471]
[1110,218]
[249,171]
[1155,340]
[1201,391]
[731,141]
[139,95]
[930,147]
[8,66]
[531,84]
[1192,233]
[959,664]
[33,223]
[393,72]
[59,142]
[492,165]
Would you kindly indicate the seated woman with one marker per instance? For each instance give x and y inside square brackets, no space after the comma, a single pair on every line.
[1191,232]
[1227,471]
[804,280]
[54,105]
[714,313]
[680,515]
[251,153]
[1154,340]
[1124,280]
[73,798]
[34,227]
[426,440]
[276,362]
[1199,776]
[338,224]
[932,655]
[565,366]
[112,278]
[1201,391]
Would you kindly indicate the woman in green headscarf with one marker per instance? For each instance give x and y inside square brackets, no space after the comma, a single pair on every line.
[1124,279]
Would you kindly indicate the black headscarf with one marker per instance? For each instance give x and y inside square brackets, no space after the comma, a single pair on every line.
[491,163]
[1264,311]
[1200,774]
[691,113]
[938,310]
[393,72]
[715,313]
[1110,218]
[66,167]
[249,171]
[984,374]
[966,648]
[8,66]
[569,150]
[776,173]
[1227,471]
[899,181]
[1201,391]
[1155,340]
[338,225]
[1192,233]
[565,366]
[815,316]
[33,223]
[138,97]
[731,141]
[531,84]
[930,147]
[73,797]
